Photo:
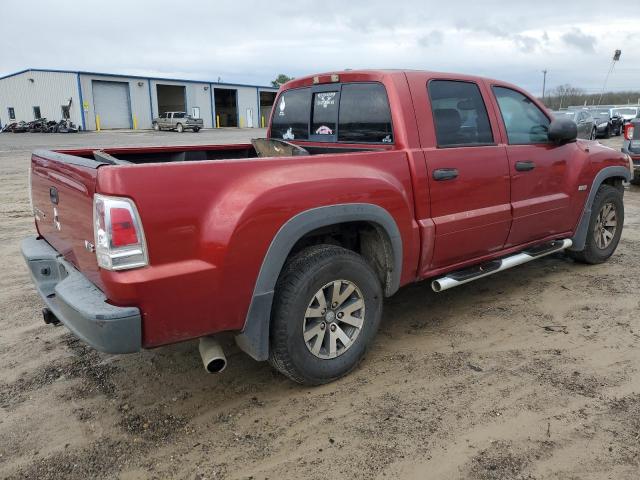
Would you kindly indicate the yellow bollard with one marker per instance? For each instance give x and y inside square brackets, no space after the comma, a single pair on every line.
[97,123]
[241,122]
[135,122]
[262,121]
[217,121]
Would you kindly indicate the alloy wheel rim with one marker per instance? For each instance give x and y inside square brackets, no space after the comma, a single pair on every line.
[333,319]
[606,225]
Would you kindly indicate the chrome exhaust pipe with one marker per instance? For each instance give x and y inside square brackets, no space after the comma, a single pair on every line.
[445,283]
[212,355]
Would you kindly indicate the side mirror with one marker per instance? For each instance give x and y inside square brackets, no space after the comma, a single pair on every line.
[563,130]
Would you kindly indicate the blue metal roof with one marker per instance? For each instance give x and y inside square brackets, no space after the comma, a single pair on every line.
[80,72]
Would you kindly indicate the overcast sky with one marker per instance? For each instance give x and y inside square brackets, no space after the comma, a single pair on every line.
[251,42]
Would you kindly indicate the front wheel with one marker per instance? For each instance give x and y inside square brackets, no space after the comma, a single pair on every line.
[156,127]
[594,134]
[326,311]
[196,129]
[605,226]
[179,128]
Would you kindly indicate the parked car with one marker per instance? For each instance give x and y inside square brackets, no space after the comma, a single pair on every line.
[584,121]
[627,113]
[631,146]
[607,122]
[178,121]
[368,181]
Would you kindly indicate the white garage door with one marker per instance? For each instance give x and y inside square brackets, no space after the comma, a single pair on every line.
[111,102]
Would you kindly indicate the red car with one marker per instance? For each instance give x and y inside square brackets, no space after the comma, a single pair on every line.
[368,181]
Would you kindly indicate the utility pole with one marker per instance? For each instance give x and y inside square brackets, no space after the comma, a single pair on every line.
[544,82]
[616,57]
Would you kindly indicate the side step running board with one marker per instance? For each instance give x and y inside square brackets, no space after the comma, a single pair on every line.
[470,274]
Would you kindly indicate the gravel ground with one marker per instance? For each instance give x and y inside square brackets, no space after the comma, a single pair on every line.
[529,374]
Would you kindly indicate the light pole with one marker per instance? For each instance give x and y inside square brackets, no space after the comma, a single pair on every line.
[616,57]
[544,82]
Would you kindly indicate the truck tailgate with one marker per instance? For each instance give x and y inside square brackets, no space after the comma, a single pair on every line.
[62,188]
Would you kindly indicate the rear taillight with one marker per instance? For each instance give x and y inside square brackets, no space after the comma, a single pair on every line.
[119,238]
[628,131]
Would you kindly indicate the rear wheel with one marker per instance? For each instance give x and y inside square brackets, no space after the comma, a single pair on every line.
[605,226]
[327,308]
[196,129]
[179,128]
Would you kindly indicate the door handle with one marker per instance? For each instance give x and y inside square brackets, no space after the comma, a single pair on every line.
[445,174]
[525,166]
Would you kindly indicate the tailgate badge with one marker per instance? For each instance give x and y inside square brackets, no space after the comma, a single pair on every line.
[53,195]
[89,246]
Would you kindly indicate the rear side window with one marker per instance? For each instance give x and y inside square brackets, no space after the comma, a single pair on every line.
[524,121]
[291,115]
[364,114]
[459,114]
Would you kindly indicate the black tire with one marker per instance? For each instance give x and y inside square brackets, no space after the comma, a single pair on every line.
[304,275]
[636,179]
[196,130]
[594,134]
[607,132]
[591,253]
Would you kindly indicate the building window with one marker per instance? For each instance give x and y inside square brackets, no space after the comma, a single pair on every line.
[36,113]
[65,112]
[12,113]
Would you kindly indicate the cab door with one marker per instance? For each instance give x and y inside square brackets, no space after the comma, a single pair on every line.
[538,168]
[468,172]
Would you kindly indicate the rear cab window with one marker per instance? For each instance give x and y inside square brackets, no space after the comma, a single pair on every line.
[347,113]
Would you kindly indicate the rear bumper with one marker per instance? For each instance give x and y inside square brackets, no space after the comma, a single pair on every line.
[79,304]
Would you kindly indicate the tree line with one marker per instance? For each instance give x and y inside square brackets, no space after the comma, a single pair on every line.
[566,95]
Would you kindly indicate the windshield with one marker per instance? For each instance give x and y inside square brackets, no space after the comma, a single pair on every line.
[626,111]
[571,115]
[600,113]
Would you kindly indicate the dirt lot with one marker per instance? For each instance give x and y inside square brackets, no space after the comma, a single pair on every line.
[529,374]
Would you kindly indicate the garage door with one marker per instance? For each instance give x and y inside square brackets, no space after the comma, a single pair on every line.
[111,102]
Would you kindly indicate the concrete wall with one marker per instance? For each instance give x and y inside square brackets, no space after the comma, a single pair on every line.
[138,94]
[48,90]
[248,100]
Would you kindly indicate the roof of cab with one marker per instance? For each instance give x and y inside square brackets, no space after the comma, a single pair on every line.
[378,74]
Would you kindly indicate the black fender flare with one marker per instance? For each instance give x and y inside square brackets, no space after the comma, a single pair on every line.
[580,237]
[254,337]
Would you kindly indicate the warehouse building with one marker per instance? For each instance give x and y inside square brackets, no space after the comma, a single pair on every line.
[107,101]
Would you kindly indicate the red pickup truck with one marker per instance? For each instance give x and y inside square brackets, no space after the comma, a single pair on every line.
[368,181]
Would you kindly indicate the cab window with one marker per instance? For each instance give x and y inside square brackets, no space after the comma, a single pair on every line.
[290,120]
[364,114]
[459,114]
[524,121]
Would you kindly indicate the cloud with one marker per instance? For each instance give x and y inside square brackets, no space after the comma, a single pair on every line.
[252,42]
[434,37]
[583,42]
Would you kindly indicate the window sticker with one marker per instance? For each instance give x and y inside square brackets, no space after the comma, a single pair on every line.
[324,130]
[288,135]
[282,106]
[325,99]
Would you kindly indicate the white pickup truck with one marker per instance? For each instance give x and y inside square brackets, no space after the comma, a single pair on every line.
[178,121]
